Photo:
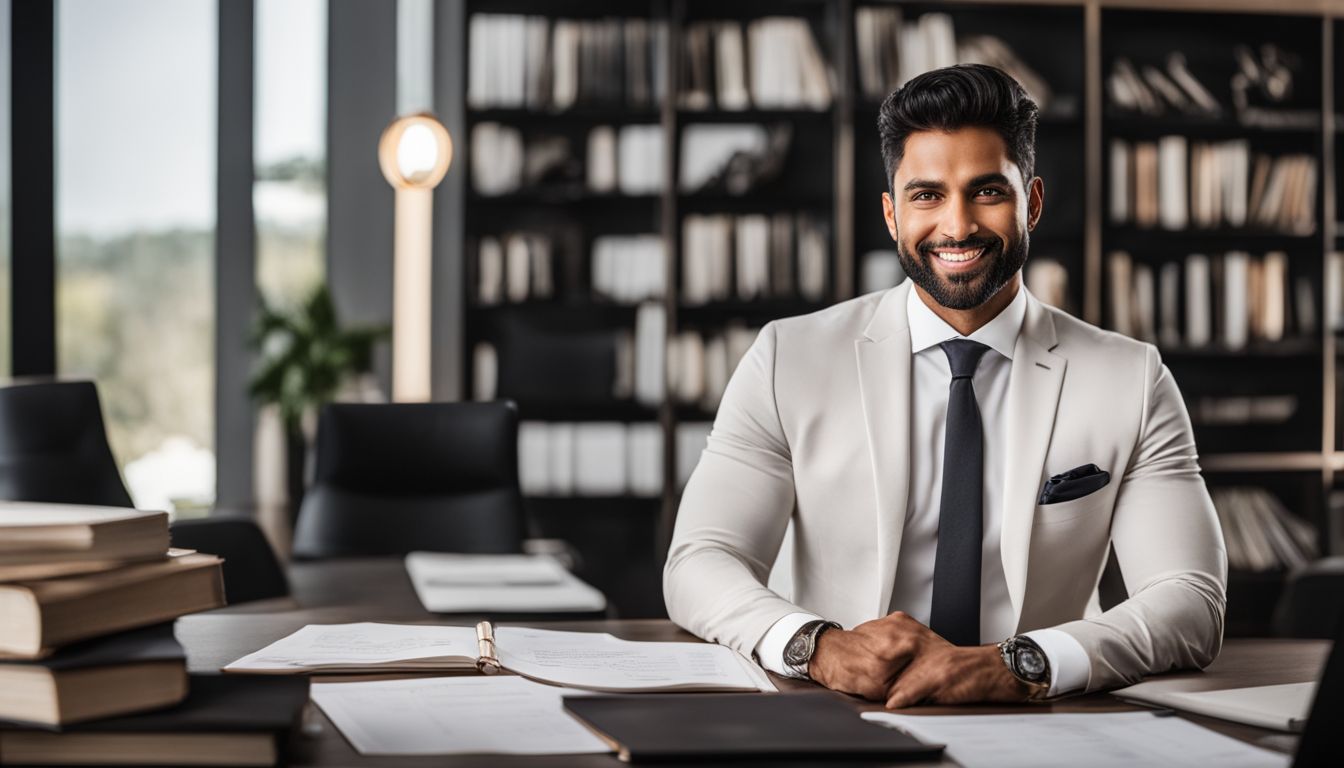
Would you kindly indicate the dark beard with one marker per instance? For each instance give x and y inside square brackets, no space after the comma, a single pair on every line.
[970,290]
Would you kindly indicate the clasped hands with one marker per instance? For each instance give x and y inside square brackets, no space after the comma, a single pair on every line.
[902,662]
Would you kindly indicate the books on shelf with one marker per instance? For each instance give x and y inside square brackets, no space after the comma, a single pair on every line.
[1177,185]
[1048,281]
[114,675]
[538,63]
[627,159]
[590,458]
[629,269]
[1237,410]
[774,63]
[1261,534]
[880,270]
[1150,90]
[223,721]
[514,267]
[699,364]
[1231,300]
[43,615]
[753,257]
[586,660]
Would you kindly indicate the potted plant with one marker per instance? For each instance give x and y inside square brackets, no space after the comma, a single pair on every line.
[305,358]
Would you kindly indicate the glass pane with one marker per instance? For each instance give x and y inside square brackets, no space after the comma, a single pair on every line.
[289,197]
[5,217]
[136,133]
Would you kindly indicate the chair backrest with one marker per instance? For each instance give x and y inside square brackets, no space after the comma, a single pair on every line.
[395,478]
[251,571]
[1312,600]
[53,446]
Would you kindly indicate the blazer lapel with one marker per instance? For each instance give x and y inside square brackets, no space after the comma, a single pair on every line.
[884,383]
[1034,386]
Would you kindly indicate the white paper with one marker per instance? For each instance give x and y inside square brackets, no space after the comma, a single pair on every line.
[454,583]
[1122,740]
[1282,707]
[455,715]
[335,646]
[602,662]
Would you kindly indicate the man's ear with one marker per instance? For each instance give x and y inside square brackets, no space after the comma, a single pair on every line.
[1035,202]
[889,214]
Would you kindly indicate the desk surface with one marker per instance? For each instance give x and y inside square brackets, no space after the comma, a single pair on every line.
[378,590]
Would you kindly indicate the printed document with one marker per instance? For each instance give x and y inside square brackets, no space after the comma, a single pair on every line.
[1281,707]
[453,583]
[455,715]
[1103,740]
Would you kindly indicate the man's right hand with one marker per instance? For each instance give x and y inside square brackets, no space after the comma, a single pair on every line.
[867,659]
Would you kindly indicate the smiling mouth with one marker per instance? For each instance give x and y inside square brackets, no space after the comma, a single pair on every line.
[960,256]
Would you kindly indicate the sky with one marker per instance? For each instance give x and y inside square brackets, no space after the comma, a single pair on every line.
[136,101]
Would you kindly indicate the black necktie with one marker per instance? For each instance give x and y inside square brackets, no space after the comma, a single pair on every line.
[956,571]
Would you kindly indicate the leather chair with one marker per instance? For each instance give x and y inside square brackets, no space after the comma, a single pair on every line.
[53,447]
[395,478]
[251,570]
[1312,602]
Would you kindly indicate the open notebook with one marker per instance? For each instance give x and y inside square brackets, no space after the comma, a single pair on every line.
[589,660]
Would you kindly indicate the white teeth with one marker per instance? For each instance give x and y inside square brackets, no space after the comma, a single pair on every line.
[947,256]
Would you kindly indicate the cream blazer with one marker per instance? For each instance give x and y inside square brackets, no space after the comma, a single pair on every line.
[814,427]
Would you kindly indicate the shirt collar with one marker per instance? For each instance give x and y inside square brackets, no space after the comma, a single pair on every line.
[1000,334]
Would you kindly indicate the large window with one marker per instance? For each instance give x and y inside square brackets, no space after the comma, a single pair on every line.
[135,217]
[5,183]
[289,197]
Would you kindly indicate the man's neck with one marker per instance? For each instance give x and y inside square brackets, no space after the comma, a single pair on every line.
[967,321]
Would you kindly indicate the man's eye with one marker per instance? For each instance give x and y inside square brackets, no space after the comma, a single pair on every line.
[922,196]
[990,192]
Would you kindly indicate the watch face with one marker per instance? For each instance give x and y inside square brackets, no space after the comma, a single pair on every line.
[796,652]
[1030,662]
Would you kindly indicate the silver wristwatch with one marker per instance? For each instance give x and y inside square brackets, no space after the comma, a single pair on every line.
[798,653]
[1028,663]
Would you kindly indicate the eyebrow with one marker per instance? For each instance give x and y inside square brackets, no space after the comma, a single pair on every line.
[938,186]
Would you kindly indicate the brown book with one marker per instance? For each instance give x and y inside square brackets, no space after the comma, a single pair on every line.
[39,533]
[42,615]
[57,568]
[115,675]
[223,721]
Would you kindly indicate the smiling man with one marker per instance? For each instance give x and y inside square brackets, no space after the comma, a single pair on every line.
[956,458]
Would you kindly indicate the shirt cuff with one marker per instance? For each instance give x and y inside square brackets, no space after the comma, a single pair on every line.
[1070,667]
[770,650]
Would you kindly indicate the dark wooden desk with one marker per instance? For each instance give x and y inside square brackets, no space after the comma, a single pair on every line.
[366,590]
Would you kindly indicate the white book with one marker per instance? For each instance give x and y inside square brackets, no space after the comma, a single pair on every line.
[753,256]
[496,159]
[1279,707]
[478,61]
[1120,277]
[601,159]
[719,256]
[640,159]
[1145,304]
[1198,301]
[460,583]
[565,64]
[534,458]
[593,661]
[645,441]
[911,50]
[730,68]
[1236,312]
[650,354]
[1334,290]
[517,268]
[1275,285]
[562,458]
[1172,192]
[1169,302]
[940,40]
[812,258]
[1048,281]
[716,372]
[694,260]
[484,372]
[814,76]
[490,271]
[1119,178]
[1237,164]
[536,62]
[599,453]
[688,375]
[543,279]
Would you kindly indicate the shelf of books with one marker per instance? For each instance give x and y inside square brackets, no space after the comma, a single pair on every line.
[650,183]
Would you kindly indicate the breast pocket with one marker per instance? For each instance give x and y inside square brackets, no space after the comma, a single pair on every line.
[1094,506]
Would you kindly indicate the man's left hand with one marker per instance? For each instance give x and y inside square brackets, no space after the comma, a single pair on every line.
[942,673]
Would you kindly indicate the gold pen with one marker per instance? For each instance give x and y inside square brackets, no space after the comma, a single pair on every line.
[487,660]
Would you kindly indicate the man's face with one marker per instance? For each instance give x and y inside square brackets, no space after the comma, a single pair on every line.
[961,215]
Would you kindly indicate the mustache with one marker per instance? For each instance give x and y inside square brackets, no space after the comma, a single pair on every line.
[927,247]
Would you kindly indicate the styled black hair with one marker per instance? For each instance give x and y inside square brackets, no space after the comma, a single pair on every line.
[955,97]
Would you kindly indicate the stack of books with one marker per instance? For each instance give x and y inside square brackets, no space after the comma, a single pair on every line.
[87,600]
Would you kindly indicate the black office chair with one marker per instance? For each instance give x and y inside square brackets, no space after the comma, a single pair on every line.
[251,571]
[395,478]
[1312,600]
[53,446]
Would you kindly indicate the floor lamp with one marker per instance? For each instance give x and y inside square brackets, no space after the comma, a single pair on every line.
[414,153]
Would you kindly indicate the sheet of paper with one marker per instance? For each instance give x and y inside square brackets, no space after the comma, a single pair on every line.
[602,662]
[453,583]
[1282,707]
[455,715]
[364,644]
[1118,740]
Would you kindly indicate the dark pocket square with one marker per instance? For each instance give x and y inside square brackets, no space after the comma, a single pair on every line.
[1074,484]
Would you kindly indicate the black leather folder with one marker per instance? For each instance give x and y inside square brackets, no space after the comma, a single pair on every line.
[686,726]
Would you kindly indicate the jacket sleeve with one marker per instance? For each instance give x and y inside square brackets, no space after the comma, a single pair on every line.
[1169,546]
[733,514]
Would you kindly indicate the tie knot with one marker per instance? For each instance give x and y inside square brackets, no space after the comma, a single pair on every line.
[964,356]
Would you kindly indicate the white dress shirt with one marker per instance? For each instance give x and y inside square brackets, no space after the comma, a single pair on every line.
[913,590]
